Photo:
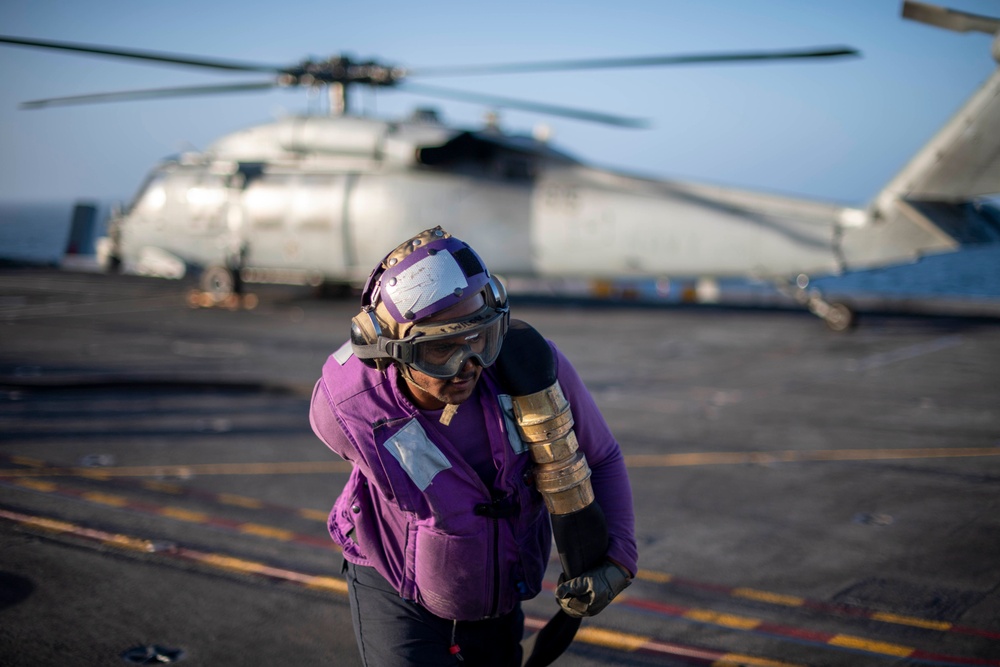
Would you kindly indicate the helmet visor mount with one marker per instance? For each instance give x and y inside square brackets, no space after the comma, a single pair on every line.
[441,349]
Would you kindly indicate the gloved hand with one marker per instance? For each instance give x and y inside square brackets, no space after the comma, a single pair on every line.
[592,591]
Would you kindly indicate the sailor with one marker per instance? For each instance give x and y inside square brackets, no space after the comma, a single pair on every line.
[446,521]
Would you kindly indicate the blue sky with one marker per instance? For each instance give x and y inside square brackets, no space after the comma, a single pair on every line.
[835,130]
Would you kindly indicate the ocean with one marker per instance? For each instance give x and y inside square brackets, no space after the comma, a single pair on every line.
[38,233]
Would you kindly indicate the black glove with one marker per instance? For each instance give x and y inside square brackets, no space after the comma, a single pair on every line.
[592,591]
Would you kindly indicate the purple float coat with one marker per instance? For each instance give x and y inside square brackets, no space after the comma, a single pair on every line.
[417,512]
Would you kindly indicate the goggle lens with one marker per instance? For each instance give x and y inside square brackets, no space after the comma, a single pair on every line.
[444,356]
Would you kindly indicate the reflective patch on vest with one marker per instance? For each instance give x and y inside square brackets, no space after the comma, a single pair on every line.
[420,458]
[510,424]
[343,353]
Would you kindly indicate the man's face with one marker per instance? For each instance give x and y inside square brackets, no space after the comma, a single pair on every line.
[432,393]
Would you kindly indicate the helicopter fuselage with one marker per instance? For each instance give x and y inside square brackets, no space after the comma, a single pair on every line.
[319,199]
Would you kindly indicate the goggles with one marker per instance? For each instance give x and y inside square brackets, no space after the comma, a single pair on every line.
[441,349]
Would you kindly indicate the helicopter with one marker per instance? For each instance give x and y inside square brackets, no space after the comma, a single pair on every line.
[317,199]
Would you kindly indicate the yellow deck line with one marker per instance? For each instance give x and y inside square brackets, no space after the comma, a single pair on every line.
[183,514]
[886,617]
[725,620]
[741,660]
[790,456]
[860,643]
[621,641]
[766,596]
[267,531]
[632,461]
[608,638]
[185,471]
[707,458]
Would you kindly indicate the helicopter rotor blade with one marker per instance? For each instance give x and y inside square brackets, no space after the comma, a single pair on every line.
[523,105]
[152,93]
[950,19]
[640,61]
[345,71]
[172,58]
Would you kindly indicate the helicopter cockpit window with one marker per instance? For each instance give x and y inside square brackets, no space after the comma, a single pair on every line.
[205,200]
[473,155]
[247,173]
[517,168]
[153,196]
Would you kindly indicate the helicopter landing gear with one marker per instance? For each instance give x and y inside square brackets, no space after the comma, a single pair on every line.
[837,316]
[221,287]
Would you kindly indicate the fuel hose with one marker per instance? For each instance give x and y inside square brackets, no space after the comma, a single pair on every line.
[527,369]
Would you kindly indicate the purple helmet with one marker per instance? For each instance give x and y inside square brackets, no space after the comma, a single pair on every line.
[424,276]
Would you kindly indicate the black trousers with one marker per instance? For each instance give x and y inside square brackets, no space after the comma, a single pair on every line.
[393,632]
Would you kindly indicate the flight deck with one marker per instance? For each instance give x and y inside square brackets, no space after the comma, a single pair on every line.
[803,497]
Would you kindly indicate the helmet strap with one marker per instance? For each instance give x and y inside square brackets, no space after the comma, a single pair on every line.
[448,413]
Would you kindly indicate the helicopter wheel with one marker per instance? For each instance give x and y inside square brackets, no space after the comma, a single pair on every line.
[840,317]
[219,284]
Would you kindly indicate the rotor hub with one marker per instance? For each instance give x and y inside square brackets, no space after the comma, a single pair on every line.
[342,69]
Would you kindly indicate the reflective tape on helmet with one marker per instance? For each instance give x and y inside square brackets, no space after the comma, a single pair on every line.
[416,291]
